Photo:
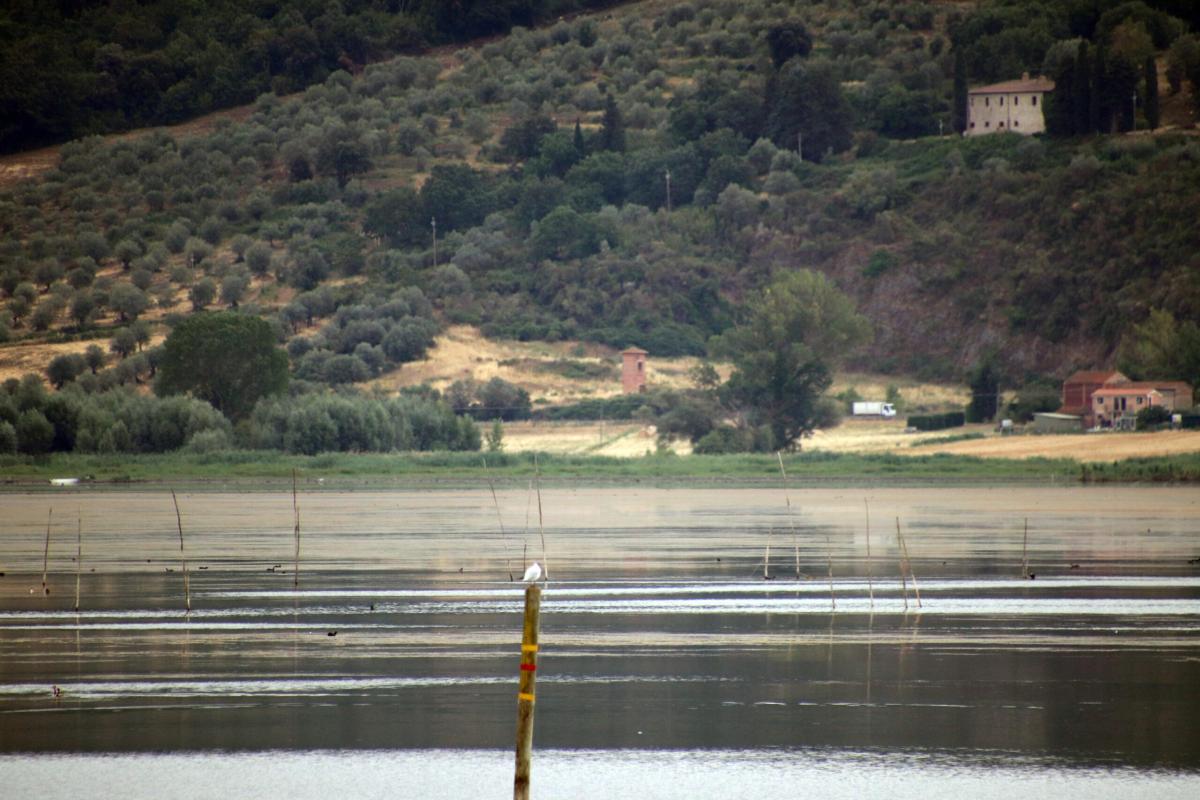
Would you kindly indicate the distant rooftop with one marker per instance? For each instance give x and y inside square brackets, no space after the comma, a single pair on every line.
[1022,84]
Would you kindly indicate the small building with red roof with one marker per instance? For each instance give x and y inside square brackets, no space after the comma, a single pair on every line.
[1014,106]
[1116,405]
[1077,392]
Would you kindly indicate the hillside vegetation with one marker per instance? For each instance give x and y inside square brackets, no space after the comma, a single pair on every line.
[627,179]
[70,67]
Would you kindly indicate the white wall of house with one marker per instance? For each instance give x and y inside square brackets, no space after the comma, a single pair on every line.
[999,112]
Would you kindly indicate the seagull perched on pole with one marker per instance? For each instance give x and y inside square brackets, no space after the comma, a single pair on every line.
[533,574]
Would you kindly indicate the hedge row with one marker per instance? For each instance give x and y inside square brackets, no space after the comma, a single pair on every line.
[937,422]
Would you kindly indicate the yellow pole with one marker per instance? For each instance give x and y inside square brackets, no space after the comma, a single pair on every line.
[525,692]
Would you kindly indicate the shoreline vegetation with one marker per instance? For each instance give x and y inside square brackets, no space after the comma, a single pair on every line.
[343,470]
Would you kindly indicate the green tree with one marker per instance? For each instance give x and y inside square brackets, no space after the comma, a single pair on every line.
[35,433]
[808,101]
[342,153]
[1163,348]
[1150,104]
[124,343]
[65,368]
[228,359]
[960,92]
[612,127]
[784,352]
[128,301]
[787,40]
[202,293]
[984,382]
[95,358]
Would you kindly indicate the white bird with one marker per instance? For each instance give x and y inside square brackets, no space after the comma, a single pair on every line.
[533,574]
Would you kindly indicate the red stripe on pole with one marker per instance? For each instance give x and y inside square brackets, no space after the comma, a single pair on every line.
[529,667]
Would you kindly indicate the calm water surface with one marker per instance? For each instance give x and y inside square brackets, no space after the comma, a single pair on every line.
[669,666]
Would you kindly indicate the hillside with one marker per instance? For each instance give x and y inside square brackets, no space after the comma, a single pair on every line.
[619,179]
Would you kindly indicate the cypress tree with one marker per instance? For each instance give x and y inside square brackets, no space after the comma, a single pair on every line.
[1084,120]
[960,92]
[1151,102]
[1099,115]
[612,128]
[580,146]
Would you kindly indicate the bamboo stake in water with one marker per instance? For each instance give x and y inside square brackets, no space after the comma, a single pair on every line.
[870,584]
[499,519]
[541,529]
[903,576]
[78,558]
[767,556]
[791,520]
[187,590]
[46,553]
[526,696]
[911,574]
[829,556]
[296,535]
[1025,551]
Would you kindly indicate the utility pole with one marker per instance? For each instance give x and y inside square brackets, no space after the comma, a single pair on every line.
[800,144]
[668,177]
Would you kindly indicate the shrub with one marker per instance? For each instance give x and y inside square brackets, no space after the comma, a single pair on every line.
[938,422]
[1152,417]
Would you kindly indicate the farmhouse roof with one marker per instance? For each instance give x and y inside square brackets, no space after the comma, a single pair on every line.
[635,351]
[1023,84]
[1131,387]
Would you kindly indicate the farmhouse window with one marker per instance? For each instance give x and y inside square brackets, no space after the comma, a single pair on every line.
[1034,99]
[1001,101]
[987,101]
[1016,101]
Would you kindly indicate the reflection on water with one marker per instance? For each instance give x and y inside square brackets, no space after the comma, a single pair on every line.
[588,774]
[668,664]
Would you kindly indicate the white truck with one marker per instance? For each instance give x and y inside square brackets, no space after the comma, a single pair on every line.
[884,410]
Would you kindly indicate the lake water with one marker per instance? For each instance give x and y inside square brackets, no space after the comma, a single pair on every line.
[669,667]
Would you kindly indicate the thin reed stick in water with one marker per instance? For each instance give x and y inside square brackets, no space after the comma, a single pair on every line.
[296,535]
[767,556]
[911,574]
[791,520]
[1025,551]
[46,553]
[187,589]
[537,480]
[870,584]
[829,556]
[903,576]
[499,519]
[78,557]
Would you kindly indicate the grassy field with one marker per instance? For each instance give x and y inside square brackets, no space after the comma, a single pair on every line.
[258,469]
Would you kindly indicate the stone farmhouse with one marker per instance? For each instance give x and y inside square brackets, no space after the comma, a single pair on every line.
[1009,106]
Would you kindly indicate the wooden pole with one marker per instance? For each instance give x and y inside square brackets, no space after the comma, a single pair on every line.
[911,574]
[46,553]
[525,693]
[767,556]
[870,583]
[903,576]
[541,528]
[78,558]
[187,589]
[1025,551]
[829,556]
[296,535]
[499,519]
[787,499]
